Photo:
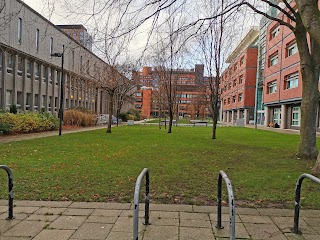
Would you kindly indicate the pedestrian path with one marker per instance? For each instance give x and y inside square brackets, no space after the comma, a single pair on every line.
[53,220]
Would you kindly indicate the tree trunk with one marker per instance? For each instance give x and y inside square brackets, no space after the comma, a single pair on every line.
[309,60]
[170,119]
[316,169]
[110,113]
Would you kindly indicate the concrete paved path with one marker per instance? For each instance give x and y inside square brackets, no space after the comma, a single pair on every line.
[42,220]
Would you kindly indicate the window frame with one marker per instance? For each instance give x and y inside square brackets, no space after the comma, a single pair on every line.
[292,80]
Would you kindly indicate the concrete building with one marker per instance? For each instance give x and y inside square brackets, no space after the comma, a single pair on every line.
[238,81]
[30,77]
[189,88]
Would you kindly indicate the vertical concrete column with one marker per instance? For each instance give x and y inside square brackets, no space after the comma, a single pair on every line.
[232,116]
[33,68]
[284,114]
[40,87]
[24,85]
[221,112]
[14,76]
[238,113]
[228,116]
[4,79]
[47,87]
[54,91]
[267,116]
[246,116]
[98,101]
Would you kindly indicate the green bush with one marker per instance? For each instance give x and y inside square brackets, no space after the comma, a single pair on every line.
[124,116]
[5,128]
[135,113]
[13,109]
[28,122]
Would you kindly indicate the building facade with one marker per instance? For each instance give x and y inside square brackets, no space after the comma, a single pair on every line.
[30,77]
[189,87]
[282,92]
[238,81]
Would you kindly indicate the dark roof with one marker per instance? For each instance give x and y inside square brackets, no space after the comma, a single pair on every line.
[72,26]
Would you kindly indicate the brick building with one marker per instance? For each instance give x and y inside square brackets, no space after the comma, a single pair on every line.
[238,81]
[79,33]
[190,91]
[282,90]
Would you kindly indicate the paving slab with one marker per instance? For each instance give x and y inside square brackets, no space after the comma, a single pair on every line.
[241,231]
[14,238]
[255,219]
[187,233]
[108,213]
[102,219]
[195,223]
[50,234]
[122,236]
[161,232]
[194,216]
[285,224]
[7,224]
[50,211]
[247,211]
[58,204]
[45,218]
[276,212]
[170,207]
[68,222]
[92,231]
[17,216]
[125,224]
[121,206]
[77,212]
[26,229]
[264,231]
[163,214]
[224,217]
[206,209]
[164,221]
[3,209]
[27,210]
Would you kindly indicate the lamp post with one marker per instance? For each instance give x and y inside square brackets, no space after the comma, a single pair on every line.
[61,89]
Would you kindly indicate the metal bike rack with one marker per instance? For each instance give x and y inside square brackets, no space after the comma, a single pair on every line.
[224,176]
[145,172]
[297,199]
[10,190]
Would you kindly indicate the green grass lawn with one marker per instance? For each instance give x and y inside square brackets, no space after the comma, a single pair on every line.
[184,165]
[181,121]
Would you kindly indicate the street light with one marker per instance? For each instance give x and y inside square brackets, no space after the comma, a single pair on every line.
[61,89]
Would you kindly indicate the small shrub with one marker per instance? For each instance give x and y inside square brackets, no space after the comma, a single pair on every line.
[13,109]
[124,116]
[75,117]
[5,128]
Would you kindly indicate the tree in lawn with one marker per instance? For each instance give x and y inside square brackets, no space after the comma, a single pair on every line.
[212,44]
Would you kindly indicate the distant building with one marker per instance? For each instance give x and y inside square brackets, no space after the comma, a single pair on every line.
[190,91]
[238,81]
[78,33]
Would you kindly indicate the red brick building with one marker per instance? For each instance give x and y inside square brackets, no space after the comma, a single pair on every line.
[190,91]
[79,33]
[238,81]
[282,84]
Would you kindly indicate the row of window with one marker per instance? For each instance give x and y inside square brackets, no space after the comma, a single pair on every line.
[295,116]
[234,99]
[52,101]
[233,68]
[234,83]
[291,81]
[291,48]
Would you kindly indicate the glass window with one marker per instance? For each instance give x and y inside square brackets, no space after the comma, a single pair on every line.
[241,79]
[274,32]
[9,63]
[8,98]
[45,73]
[44,101]
[75,35]
[292,81]
[51,72]
[292,49]
[55,103]
[19,30]
[20,66]
[36,102]
[234,83]
[273,60]
[19,99]
[58,78]
[277,116]
[240,97]
[37,40]
[28,101]
[295,116]
[29,69]
[51,46]
[272,87]
[37,71]
[233,99]
[50,102]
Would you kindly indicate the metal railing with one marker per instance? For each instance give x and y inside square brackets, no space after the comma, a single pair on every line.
[145,172]
[224,176]
[10,190]
[297,200]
